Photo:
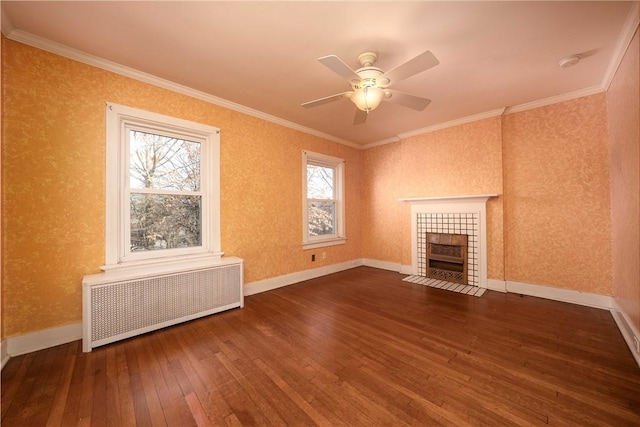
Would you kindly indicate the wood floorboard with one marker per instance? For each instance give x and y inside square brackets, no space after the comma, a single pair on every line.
[62,390]
[72,401]
[356,348]
[19,411]
[141,408]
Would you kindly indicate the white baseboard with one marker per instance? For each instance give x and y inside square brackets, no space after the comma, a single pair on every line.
[4,356]
[293,278]
[43,339]
[40,340]
[497,285]
[559,294]
[628,330]
[300,276]
[16,346]
[382,265]
[624,324]
[406,269]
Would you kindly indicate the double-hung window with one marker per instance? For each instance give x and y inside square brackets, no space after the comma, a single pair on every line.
[323,200]
[162,188]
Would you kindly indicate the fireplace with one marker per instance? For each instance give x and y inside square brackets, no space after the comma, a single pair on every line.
[446,257]
[457,215]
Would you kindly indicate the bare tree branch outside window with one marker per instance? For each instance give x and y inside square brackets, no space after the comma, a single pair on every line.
[164,181]
[321,200]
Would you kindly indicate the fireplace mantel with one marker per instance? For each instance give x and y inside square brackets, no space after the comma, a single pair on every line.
[447,205]
[478,198]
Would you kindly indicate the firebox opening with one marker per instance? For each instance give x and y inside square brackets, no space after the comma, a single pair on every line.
[447,257]
[445,265]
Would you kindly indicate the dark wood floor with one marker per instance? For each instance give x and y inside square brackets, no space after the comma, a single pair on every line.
[358,348]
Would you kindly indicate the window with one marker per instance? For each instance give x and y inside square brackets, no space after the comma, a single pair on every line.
[162,188]
[323,200]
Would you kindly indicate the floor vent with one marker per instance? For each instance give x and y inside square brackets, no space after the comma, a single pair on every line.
[114,310]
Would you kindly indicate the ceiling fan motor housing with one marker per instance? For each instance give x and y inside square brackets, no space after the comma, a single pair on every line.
[370,77]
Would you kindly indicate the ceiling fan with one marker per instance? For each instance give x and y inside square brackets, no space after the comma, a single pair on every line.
[370,85]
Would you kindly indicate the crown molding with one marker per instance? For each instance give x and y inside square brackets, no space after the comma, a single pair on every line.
[94,61]
[554,99]
[452,123]
[624,39]
[382,142]
[438,126]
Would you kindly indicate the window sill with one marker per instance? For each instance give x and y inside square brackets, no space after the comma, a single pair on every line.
[140,269]
[324,243]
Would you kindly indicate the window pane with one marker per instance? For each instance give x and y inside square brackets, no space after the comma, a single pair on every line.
[320,182]
[322,218]
[165,222]
[162,162]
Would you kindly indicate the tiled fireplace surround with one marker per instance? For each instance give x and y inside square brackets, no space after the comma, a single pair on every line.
[449,223]
[456,215]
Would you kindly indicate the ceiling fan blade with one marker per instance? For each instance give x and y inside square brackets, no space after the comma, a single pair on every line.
[410,101]
[336,65]
[420,63]
[325,100]
[360,117]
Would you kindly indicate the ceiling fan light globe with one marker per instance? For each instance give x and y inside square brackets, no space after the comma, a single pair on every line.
[368,98]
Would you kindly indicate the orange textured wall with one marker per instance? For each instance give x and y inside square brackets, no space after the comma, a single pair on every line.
[383,220]
[461,160]
[623,100]
[548,165]
[556,189]
[53,184]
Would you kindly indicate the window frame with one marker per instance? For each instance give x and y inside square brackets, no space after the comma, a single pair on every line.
[338,165]
[120,120]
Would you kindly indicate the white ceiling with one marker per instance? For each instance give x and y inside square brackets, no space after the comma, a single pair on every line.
[263,55]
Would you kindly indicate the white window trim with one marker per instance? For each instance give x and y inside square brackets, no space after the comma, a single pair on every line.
[339,238]
[119,117]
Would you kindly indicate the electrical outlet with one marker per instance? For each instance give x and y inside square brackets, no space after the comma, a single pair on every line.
[324,255]
[637,344]
[313,257]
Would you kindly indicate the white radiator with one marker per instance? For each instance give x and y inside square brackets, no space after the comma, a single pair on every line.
[118,306]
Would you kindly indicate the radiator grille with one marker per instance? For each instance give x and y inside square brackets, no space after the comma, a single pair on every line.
[125,307]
